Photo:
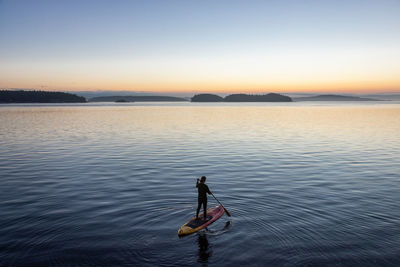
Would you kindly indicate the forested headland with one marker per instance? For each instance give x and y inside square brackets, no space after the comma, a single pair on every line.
[10,96]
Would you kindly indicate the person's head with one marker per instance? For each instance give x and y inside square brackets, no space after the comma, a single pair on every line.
[203,179]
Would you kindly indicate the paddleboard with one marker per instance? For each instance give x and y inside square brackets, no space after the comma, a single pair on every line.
[194,225]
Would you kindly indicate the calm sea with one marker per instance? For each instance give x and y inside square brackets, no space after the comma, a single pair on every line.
[307,184]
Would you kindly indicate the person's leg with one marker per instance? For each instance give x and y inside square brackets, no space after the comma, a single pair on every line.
[205,209]
[198,208]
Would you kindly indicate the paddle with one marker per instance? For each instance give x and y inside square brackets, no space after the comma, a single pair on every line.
[226,211]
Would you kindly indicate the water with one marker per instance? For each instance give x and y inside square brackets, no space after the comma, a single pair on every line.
[307,184]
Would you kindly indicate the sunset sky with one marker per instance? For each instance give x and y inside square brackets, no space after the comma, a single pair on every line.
[201,46]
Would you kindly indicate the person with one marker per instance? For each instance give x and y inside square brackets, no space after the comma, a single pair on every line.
[202,197]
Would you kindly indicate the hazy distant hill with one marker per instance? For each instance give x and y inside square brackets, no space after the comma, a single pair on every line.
[8,96]
[333,98]
[272,97]
[98,93]
[135,98]
[392,97]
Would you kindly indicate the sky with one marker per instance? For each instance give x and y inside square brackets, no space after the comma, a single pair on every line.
[201,46]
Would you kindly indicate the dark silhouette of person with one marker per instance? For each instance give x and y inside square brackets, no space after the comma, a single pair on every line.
[205,249]
[202,197]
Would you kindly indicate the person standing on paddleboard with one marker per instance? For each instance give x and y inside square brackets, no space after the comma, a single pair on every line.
[202,197]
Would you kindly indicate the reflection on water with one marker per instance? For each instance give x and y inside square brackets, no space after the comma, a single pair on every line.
[306,184]
[205,250]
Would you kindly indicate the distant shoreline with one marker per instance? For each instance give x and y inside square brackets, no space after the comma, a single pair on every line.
[333,98]
[22,96]
[137,99]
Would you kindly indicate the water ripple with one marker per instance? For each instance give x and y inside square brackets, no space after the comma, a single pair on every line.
[110,185]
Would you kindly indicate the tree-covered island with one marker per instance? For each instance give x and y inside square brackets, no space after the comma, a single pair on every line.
[272,97]
[21,96]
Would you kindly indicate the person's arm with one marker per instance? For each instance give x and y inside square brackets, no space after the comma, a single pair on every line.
[208,190]
[197,182]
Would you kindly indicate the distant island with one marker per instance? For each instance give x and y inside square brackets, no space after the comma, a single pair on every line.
[9,96]
[333,98]
[207,98]
[122,101]
[135,98]
[272,97]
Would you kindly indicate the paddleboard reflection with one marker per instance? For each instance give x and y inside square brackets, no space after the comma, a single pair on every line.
[205,248]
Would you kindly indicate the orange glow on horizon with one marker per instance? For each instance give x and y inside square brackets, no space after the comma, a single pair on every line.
[215,87]
[225,81]
[207,87]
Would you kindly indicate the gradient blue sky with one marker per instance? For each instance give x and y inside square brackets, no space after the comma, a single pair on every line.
[201,46]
